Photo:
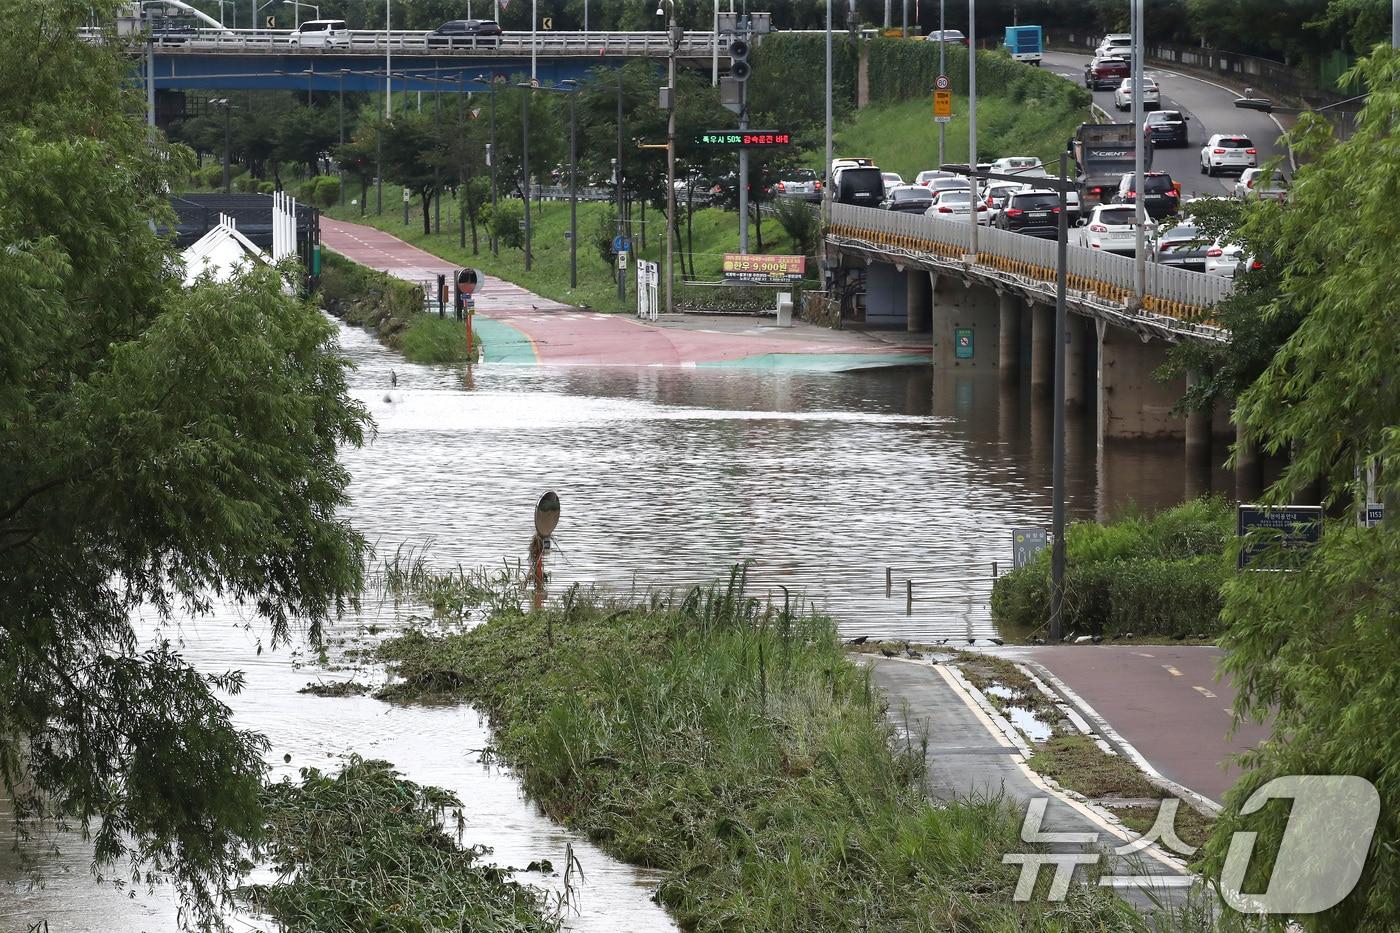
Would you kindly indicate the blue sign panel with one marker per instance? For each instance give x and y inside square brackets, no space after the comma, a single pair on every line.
[1285,532]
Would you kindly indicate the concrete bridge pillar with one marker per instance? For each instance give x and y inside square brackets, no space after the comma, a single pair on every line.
[1249,468]
[918,296]
[966,325]
[1042,348]
[1009,337]
[1132,404]
[1198,445]
[1078,335]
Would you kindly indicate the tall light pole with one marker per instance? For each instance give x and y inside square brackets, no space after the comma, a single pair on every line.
[388,70]
[943,70]
[525,166]
[534,43]
[1057,456]
[667,8]
[826,168]
[972,119]
[228,178]
[1139,196]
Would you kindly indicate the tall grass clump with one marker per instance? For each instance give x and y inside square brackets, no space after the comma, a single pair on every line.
[1155,575]
[729,743]
[368,850]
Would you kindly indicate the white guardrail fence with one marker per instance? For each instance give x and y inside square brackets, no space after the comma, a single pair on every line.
[414,42]
[1104,280]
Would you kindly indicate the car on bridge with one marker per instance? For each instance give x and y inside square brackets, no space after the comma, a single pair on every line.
[1160,193]
[1151,94]
[1228,152]
[1262,183]
[1165,128]
[928,175]
[1182,245]
[798,183]
[1105,73]
[321,34]
[1032,212]
[909,199]
[955,203]
[1109,228]
[466,33]
[892,181]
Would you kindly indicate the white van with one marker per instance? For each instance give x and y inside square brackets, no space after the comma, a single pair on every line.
[1029,166]
[321,33]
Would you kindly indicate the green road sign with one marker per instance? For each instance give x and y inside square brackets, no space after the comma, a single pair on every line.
[962,343]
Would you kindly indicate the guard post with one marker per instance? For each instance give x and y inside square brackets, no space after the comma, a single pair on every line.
[442,294]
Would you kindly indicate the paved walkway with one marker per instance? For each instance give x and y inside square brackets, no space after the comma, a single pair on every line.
[518,326]
[1164,700]
[969,755]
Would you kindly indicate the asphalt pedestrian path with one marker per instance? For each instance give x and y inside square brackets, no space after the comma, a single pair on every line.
[969,755]
[518,326]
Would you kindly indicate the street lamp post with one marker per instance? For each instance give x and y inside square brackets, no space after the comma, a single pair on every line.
[617,182]
[942,69]
[534,48]
[388,67]
[573,189]
[525,167]
[972,119]
[228,178]
[1063,185]
[826,169]
[296,6]
[341,98]
[1139,144]
[667,8]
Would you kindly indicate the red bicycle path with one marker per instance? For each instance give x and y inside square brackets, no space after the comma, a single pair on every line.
[1165,701]
[520,326]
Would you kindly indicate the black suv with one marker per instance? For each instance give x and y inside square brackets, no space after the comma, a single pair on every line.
[466,33]
[1033,212]
[1165,128]
[911,199]
[1161,198]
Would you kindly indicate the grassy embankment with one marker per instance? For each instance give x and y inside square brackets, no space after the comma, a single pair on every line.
[734,747]
[392,309]
[714,232]
[368,850]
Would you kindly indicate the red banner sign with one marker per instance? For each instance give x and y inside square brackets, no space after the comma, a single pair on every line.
[764,269]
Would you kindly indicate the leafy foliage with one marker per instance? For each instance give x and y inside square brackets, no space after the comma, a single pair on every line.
[1314,650]
[159,447]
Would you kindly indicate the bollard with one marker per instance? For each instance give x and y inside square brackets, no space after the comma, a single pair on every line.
[908,597]
[994,570]
[889,582]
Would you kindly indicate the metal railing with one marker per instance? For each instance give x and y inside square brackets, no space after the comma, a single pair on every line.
[415,42]
[1104,280]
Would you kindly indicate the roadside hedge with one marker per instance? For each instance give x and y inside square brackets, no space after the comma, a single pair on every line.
[1157,576]
[903,70]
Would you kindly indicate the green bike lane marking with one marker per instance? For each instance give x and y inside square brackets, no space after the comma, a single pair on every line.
[502,343]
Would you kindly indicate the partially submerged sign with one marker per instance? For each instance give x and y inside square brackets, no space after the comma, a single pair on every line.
[770,270]
[1283,532]
[1025,544]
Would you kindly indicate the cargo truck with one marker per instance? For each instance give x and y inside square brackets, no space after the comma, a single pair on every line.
[1025,43]
[1103,153]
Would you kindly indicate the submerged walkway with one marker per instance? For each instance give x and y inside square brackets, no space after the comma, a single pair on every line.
[518,326]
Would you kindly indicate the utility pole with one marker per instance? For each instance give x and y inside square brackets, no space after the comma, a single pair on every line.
[525,167]
[379,166]
[388,66]
[972,119]
[943,70]
[714,64]
[534,48]
[573,189]
[341,98]
[1057,457]
[228,178]
[150,79]
[617,180]
[462,163]
[1139,196]
[495,157]
[826,168]
[673,36]
[904,25]
[1395,24]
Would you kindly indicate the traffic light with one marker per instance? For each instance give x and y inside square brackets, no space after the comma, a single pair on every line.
[739,67]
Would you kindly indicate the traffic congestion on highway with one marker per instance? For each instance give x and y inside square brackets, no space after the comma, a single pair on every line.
[1197,146]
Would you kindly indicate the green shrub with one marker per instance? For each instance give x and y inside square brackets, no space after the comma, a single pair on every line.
[306,191]
[432,339]
[504,221]
[1149,576]
[266,187]
[327,192]
[247,184]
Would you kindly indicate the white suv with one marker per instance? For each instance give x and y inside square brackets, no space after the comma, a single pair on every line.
[1228,152]
[1115,44]
[1151,94]
[321,34]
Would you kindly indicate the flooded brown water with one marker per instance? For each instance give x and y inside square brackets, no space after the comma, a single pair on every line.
[667,477]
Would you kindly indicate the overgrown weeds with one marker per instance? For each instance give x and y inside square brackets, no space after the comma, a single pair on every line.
[728,742]
[367,850]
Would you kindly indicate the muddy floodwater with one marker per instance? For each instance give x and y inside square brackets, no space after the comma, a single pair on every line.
[667,476]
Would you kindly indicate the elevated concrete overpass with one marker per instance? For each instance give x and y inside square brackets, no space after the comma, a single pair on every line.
[264,59]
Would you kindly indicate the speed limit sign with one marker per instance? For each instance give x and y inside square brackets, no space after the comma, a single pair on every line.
[941,82]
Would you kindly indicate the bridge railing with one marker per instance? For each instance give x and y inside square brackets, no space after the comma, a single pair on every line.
[1173,292]
[416,42]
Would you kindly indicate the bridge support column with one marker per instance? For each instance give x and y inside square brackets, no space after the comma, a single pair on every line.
[1198,446]
[1249,467]
[1009,337]
[1042,348]
[1078,334]
[918,300]
[1132,404]
[966,325]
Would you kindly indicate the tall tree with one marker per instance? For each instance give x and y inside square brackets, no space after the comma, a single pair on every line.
[1315,650]
[159,447]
